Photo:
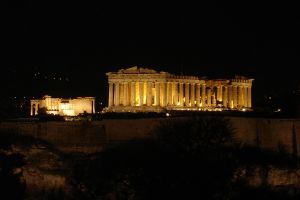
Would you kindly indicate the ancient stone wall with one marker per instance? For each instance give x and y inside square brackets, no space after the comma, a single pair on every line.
[83,136]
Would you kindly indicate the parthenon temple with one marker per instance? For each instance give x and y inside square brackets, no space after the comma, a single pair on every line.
[139,89]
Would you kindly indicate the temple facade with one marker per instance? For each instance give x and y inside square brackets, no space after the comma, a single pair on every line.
[63,107]
[146,90]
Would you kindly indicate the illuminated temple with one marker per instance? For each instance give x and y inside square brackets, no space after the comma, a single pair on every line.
[146,90]
[63,107]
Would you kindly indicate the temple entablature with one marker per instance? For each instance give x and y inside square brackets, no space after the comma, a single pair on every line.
[141,89]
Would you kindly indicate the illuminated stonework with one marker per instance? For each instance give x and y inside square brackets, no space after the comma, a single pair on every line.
[64,107]
[141,89]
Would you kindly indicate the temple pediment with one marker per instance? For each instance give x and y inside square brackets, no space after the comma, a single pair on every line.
[137,70]
[138,89]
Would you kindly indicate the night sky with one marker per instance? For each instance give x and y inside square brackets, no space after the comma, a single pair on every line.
[57,48]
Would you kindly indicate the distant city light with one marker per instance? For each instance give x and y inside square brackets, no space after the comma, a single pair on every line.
[278,110]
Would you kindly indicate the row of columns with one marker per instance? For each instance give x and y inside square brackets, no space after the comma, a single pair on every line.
[178,94]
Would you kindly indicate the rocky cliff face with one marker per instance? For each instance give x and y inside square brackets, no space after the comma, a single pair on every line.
[272,176]
[45,173]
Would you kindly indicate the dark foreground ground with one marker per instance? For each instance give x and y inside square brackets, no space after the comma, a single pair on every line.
[195,158]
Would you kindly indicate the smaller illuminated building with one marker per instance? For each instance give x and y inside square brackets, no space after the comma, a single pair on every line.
[63,107]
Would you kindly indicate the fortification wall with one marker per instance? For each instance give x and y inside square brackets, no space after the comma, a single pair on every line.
[274,134]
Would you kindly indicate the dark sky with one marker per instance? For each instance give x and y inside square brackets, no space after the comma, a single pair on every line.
[78,42]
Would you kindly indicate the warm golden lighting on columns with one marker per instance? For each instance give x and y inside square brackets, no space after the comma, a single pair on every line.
[187,94]
[163,95]
[249,97]
[144,93]
[214,100]
[219,93]
[209,97]
[132,94]
[181,94]
[198,94]
[169,93]
[149,93]
[141,93]
[234,96]
[240,96]
[245,97]
[192,94]
[125,100]
[161,91]
[110,94]
[31,109]
[37,106]
[175,93]
[157,96]
[225,97]
[94,109]
[117,94]
[122,93]
[230,101]
[203,95]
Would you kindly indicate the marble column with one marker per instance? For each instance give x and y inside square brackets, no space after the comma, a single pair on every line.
[214,100]
[175,93]
[219,93]
[117,94]
[94,110]
[37,107]
[209,97]
[110,94]
[157,95]
[192,94]
[149,94]
[132,94]
[145,93]
[169,93]
[125,99]
[249,97]
[225,97]
[240,103]
[187,94]
[31,109]
[141,93]
[234,96]
[203,95]
[163,94]
[230,98]
[245,97]
[165,99]
[121,89]
[180,94]
[198,94]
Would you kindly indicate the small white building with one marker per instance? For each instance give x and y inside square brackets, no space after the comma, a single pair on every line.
[63,107]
